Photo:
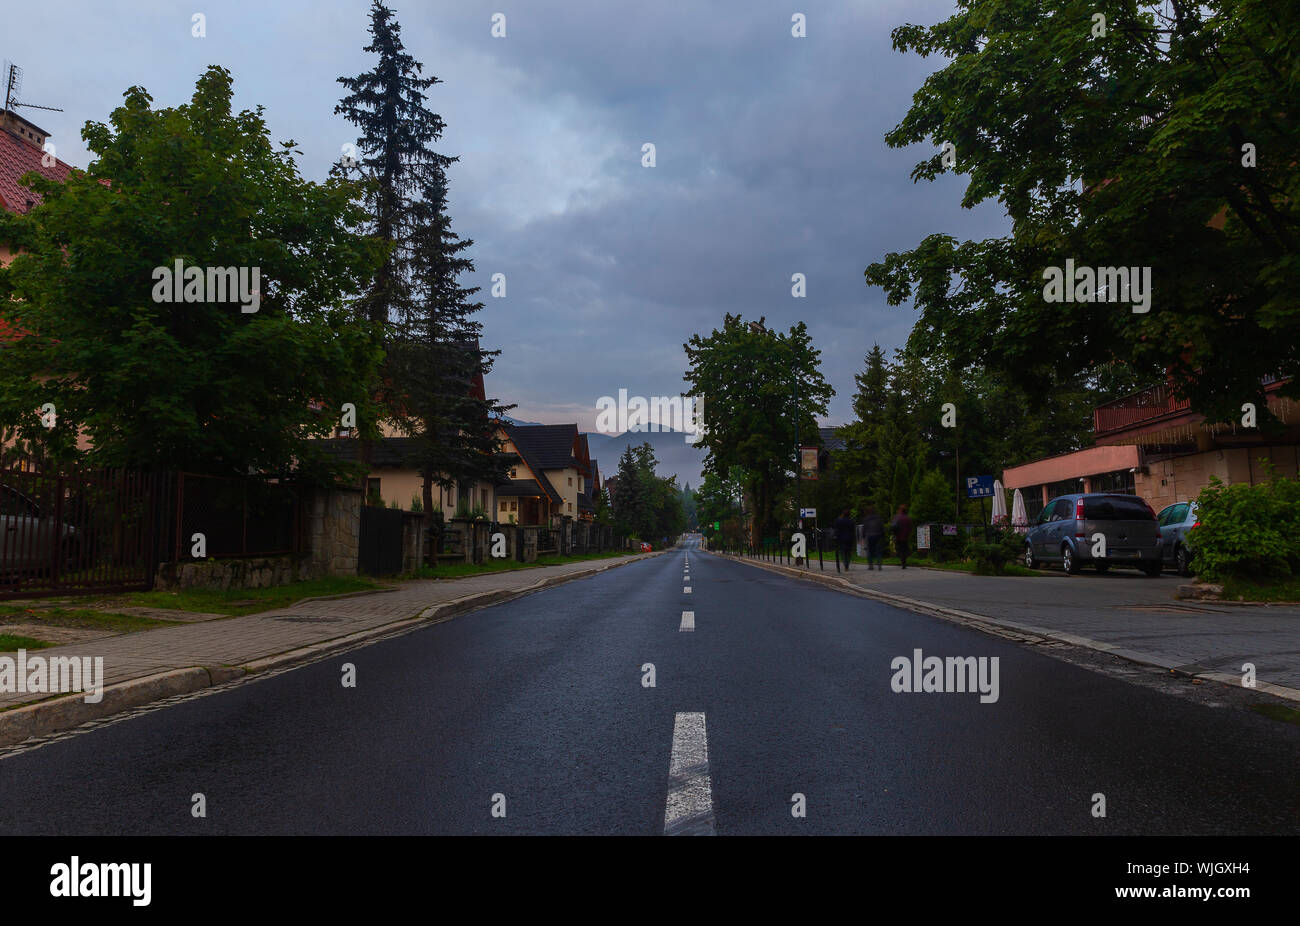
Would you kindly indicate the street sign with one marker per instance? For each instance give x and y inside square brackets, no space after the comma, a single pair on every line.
[717,525]
[807,512]
[923,537]
[950,530]
[979,486]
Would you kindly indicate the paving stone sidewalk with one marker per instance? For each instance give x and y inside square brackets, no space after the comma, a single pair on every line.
[239,641]
[1124,611]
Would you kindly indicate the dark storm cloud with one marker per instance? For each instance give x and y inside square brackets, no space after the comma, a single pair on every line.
[770,160]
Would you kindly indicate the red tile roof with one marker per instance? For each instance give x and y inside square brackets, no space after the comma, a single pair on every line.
[17,157]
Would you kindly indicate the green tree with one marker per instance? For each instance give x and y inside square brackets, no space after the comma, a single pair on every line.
[759,388]
[718,501]
[856,462]
[1166,143]
[198,384]
[435,365]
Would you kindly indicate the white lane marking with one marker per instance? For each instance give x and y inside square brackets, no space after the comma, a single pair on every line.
[686,590]
[688,621]
[689,811]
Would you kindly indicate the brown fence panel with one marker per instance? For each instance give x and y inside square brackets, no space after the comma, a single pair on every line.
[68,532]
[250,516]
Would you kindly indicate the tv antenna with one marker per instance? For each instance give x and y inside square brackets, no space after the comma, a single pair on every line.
[13,86]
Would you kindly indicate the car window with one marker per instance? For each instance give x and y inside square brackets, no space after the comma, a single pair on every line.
[1061,510]
[1045,515]
[1129,508]
[11,503]
[1179,514]
[1166,515]
[1098,509]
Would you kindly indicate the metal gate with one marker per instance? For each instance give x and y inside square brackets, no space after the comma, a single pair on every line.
[380,552]
[78,532]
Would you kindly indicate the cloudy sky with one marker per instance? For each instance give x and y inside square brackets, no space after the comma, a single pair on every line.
[770,158]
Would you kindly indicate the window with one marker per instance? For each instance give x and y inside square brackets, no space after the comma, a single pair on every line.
[1062,510]
[12,503]
[1174,514]
[514,506]
[513,474]
[1130,508]
[570,506]
[1121,481]
[570,480]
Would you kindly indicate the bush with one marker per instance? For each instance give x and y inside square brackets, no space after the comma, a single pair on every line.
[990,559]
[1247,531]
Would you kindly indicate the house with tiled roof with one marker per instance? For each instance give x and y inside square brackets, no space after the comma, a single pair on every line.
[394,480]
[22,151]
[551,475]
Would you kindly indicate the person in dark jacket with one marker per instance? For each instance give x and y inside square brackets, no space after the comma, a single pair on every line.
[873,529]
[902,529]
[844,531]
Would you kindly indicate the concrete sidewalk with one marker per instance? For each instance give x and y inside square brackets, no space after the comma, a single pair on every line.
[149,665]
[1123,613]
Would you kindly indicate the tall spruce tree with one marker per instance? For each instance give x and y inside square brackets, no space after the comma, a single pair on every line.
[434,367]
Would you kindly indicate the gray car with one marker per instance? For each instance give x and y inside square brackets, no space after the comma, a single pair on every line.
[28,537]
[1103,529]
[1174,522]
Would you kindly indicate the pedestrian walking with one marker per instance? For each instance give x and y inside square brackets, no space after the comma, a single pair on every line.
[873,529]
[901,525]
[843,540]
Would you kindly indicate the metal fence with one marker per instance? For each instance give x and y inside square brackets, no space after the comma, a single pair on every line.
[252,516]
[79,531]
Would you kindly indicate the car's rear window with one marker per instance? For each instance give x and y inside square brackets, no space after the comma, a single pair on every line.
[1116,508]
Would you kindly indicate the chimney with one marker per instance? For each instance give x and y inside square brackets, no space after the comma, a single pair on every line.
[29,132]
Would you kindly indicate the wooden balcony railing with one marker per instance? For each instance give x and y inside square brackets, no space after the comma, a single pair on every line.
[1147,405]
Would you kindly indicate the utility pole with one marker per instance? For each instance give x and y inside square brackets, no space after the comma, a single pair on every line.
[798,460]
[956,450]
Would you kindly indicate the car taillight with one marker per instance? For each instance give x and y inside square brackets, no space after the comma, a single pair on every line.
[1078,517]
[1196,525]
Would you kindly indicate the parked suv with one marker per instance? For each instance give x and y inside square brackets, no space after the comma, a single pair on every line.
[1066,530]
[1174,522]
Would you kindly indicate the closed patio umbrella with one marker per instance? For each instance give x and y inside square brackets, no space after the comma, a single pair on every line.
[999,502]
[1019,515]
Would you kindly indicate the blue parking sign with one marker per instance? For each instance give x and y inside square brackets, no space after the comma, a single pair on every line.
[979,486]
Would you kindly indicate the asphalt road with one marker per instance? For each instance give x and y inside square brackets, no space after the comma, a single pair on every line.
[534,716]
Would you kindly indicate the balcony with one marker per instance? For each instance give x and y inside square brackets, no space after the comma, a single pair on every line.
[1148,405]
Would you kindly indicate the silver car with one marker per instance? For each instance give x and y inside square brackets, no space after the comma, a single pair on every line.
[1174,522]
[28,538]
[1103,529]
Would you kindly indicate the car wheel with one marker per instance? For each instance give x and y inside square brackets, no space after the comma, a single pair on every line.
[1183,560]
[1068,562]
[1100,566]
[1030,562]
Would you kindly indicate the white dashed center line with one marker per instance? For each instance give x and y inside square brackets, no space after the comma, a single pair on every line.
[686,590]
[688,621]
[689,811]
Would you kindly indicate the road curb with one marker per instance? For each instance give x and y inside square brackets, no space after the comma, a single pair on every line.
[64,712]
[1012,629]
